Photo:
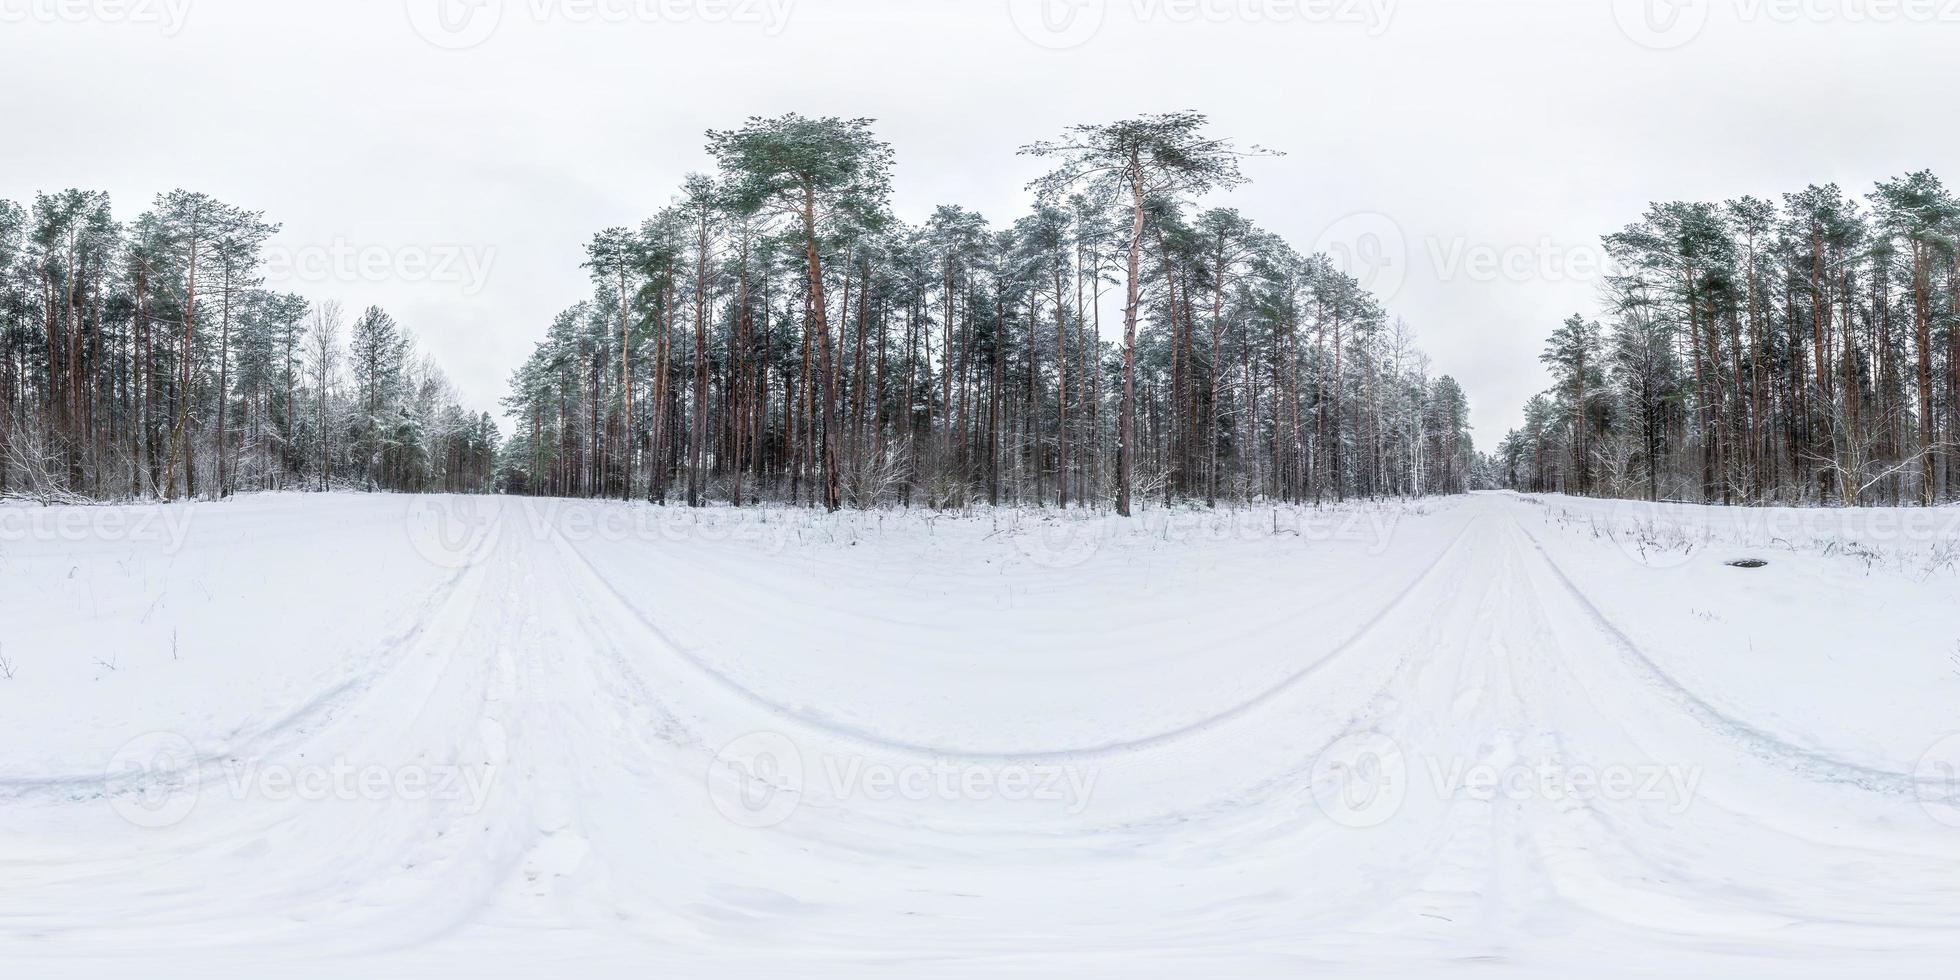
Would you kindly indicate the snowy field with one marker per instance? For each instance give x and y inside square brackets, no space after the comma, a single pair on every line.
[351,735]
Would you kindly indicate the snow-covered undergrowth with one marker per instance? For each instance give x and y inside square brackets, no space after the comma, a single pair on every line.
[1917,540]
[410,736]
[1848,636]
[1038,536]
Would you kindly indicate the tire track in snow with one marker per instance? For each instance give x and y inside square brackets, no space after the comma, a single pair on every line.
[318,710]
[1763,744]
[1676,876]
[397,873]
[866,738]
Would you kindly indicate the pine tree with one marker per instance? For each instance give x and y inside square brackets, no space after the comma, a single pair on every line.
[1146,161]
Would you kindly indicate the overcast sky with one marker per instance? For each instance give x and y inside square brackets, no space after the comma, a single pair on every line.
[447,159]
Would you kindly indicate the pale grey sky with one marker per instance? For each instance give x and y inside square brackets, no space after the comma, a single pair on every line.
[447,159]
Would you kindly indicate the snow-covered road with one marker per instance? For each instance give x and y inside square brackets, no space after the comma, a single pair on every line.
[345,735]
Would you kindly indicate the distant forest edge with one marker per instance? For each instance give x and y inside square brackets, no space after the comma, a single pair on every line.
[777,334]
[1754,352]
[144,359]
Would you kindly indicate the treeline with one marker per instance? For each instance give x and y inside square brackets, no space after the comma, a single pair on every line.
[145,359]
[777,333]
[1761,353]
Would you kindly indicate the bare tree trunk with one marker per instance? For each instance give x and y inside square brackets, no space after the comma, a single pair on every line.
[1953,389]
[696,479]
[1820,352]
[1061,390]
[833,498]
[626,387]
[1922,323]
[224,383]
[1126,424]
[184,393]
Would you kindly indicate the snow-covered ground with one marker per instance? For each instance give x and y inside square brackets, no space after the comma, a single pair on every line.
[341,735]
